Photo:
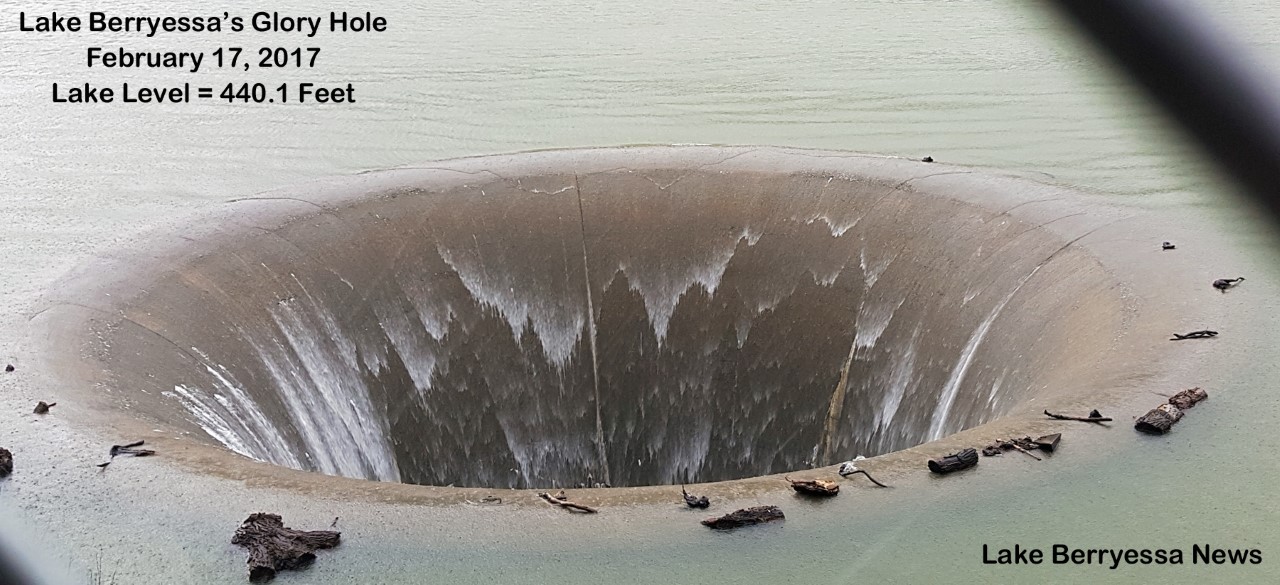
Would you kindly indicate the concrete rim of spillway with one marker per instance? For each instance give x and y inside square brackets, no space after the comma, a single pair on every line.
[1116,375]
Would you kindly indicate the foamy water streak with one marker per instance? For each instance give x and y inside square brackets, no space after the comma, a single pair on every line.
[938,423]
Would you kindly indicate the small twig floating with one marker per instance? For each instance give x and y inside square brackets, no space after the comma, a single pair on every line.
[745,517]
[566,504]
[695,501]
[1201,334]
[1094,417]
[130,449]
[848,468]
[43,407]
[814,487]
[963,459]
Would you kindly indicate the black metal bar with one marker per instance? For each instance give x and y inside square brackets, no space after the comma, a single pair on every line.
[1202,77]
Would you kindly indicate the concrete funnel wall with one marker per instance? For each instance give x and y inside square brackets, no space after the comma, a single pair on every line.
[619,316]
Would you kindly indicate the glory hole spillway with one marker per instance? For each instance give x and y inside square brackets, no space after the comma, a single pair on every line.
[621,316]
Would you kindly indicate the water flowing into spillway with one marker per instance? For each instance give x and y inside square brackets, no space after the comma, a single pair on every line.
[574,326]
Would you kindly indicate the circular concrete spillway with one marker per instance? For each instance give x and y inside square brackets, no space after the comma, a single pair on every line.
[620,316]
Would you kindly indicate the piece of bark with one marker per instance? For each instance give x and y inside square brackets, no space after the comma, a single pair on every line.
[745,517]
[1094,417]
[815,487]
[43,407]
[963,459]
[1188,398]
[566,504]
[272,547]
[695,501]
[1049,443]
[1159,420]
[6,462]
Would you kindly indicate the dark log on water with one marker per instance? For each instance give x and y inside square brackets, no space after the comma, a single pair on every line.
[1188,398]
[745,517]
[1049,443]
[6,462]
[272,547]
[814,487]
[954,462]
[1159,420]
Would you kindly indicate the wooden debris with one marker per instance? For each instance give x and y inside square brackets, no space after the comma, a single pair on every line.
[1201,334]
[1188,398]
[130,449]
[814,487]
[695,501]
[848,468]
[1026,445]
[43,407]
[566,504]
[6,462]
[1049,443]
[1223,284]
[1159,420]
[954,462]
[272,547]
[1094,417]
[745,517]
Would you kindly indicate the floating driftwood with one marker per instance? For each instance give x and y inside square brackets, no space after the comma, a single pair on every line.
[954,462]
[1223,284]
[814,487]
[1161,419]
[695,501]
[272,547]
[43,407]
[1094,417]
[565,503]
[1049,443]
[130,449]
[848,468]
[1201,334]
[1188,398]
[745,517]
[1025,445]
[6,462]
